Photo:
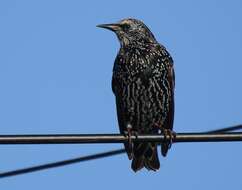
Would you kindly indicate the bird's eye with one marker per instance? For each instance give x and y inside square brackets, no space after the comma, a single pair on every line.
[126,27]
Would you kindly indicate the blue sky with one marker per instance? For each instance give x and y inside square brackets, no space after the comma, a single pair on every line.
[55,77]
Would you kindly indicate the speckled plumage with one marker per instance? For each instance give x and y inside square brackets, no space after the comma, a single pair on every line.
[143,83]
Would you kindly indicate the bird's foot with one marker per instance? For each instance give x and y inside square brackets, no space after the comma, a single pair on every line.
[129,134]
[169,136]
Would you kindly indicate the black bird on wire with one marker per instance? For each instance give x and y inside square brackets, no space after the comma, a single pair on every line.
[143,82]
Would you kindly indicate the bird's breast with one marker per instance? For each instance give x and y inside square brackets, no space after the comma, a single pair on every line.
[143,89]
[145,102]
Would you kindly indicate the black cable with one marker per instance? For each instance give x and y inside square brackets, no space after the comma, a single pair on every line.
[117,138]
[61,163]
[226,129]
[89,157]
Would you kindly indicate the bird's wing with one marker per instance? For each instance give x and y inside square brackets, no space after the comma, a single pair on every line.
[171,76]
[171,80]
[115,85]
[116,88]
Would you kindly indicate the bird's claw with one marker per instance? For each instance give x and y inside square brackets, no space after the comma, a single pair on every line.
[129,134]
[169,136]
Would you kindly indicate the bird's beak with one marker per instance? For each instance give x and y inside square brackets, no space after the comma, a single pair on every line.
[112,27]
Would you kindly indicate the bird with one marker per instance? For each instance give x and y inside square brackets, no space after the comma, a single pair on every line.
[143,83]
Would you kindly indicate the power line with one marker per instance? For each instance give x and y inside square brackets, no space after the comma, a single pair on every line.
[60,163]
[226,129]
[117,138]
[90,157]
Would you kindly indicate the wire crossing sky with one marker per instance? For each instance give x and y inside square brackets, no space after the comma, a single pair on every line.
[75,160]
[55,77]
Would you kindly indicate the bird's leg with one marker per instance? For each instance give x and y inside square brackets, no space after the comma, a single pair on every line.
[129,130]
[168,134]
[129,134]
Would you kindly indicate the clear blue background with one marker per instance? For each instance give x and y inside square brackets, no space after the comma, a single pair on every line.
[55,77]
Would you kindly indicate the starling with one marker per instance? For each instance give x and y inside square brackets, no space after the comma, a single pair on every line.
[143,83]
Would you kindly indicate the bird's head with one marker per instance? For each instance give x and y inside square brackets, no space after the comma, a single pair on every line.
[130,32]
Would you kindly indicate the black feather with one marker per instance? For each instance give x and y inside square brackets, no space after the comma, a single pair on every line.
[143,83]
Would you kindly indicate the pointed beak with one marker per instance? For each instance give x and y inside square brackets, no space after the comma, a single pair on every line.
[112,27]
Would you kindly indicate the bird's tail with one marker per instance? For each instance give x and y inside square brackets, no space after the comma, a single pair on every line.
[145,155]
